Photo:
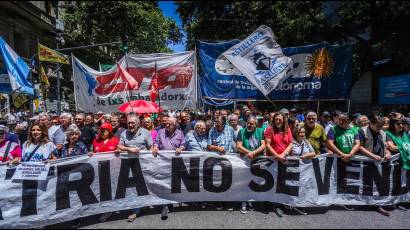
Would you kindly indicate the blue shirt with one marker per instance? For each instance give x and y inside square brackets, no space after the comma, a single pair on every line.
[223,139]
[195,142]
[79,149]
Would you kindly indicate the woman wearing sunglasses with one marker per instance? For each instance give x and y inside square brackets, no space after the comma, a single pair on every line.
[398,141]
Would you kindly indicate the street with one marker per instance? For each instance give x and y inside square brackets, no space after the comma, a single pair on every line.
[189,217]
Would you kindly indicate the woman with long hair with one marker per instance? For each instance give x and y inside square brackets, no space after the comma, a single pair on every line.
[278,138]
[149,125]
[398,141]
[38,147]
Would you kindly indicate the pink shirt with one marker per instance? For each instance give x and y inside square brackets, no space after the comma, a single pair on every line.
[14,152]
[279,141]
[154,134]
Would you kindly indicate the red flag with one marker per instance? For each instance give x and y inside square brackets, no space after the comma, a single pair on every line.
[127,78]
[154,85]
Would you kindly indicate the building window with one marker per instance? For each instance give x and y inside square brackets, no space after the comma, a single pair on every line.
[19,44]
[49,7]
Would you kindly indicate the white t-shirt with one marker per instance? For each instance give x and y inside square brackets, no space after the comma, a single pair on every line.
[42,153]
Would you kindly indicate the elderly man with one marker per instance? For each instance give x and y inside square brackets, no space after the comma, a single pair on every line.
[134,140]
[250,141]
[315,133]
[169,138]
[221,137]
[343,140]
[233,122]
[221,140]
[197,140]
[87,133]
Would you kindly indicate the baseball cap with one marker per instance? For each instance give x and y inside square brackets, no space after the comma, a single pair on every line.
[326,114]
[106,126]
[284,111]
[356,115]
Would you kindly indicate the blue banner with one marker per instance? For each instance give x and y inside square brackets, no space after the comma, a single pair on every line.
[17,72]
[320,72]
[395,90]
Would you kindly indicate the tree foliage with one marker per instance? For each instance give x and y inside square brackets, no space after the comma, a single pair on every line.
[377,29]
[94,22]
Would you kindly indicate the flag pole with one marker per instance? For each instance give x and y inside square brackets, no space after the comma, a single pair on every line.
[159,96]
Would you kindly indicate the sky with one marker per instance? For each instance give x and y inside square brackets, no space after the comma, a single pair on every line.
[169,10]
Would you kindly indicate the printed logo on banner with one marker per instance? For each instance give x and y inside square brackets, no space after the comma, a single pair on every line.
[320,64]
[173,77]
[224,67]
[106,91]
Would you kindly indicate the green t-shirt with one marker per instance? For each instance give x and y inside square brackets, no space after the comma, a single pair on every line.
[345,138]
[251,140]
[403,144]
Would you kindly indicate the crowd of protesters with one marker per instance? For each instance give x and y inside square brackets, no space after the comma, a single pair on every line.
[244,132]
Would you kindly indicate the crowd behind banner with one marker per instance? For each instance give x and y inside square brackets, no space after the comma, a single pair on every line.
[250,134]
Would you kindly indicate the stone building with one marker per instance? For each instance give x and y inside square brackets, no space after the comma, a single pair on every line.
[24,24]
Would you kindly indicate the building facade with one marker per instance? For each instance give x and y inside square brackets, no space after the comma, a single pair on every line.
[23,25]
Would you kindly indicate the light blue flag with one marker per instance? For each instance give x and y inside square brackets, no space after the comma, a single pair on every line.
[17,72]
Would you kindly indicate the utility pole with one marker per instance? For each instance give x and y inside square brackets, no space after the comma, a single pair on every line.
[57,67]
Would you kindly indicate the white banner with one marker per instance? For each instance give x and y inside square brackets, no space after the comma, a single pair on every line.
[86,186]
[260,59]
[31,171]
[106,91]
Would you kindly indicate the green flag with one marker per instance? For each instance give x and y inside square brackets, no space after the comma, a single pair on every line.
[105,67]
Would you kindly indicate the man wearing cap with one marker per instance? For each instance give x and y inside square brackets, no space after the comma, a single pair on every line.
[9,135]
[325,119]
[285,112]
[10,152]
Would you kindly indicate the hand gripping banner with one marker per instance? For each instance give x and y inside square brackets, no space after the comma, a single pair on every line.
[84,186]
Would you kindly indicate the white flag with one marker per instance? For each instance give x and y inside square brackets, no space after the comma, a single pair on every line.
[259,57]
